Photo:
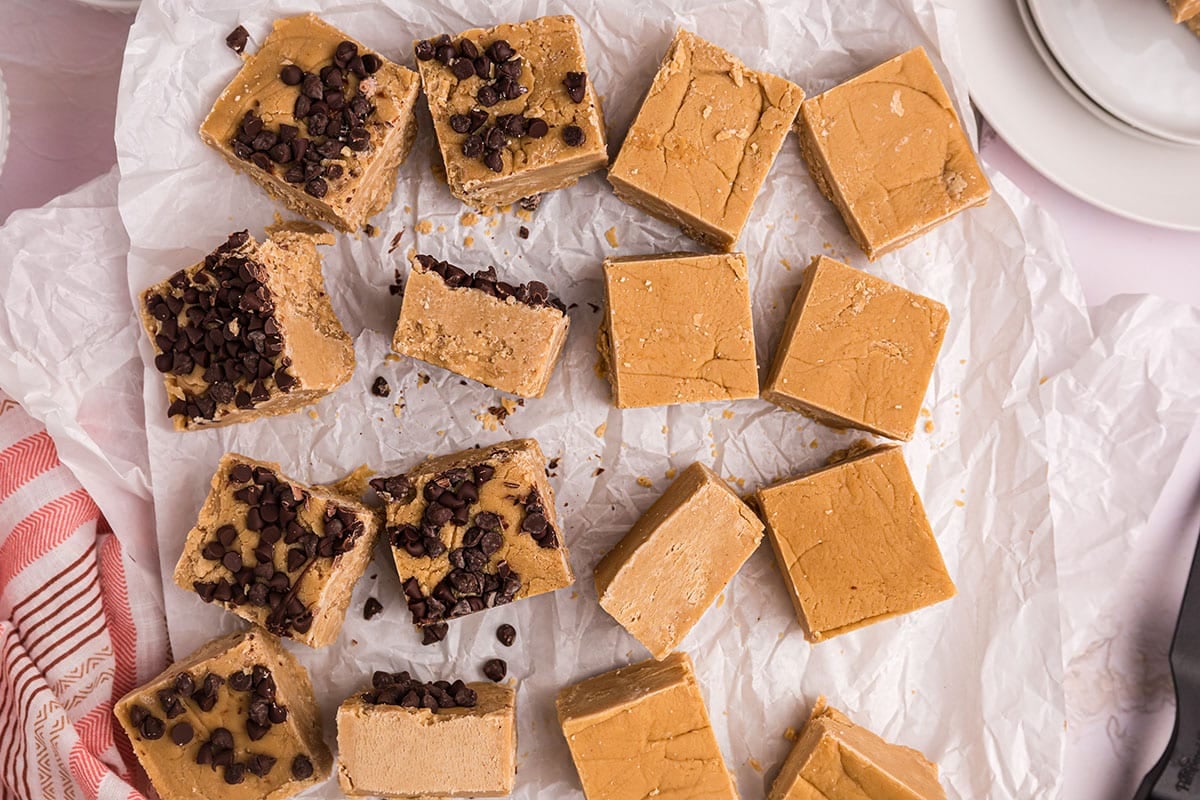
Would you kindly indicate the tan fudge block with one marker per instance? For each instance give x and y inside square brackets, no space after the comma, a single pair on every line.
[345,172]
[643,731]
[248,332]
[678,329]
[853,544]
[542,53]
[659,580]
[474,530]
[504,336]
[236,719]
[276,552]
[703,141]
[857,351]
[887,148]
[390,749]
[834,759]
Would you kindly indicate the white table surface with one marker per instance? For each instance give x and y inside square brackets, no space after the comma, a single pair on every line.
[61,63]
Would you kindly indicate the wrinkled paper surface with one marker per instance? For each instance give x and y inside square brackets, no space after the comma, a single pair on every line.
[974,683]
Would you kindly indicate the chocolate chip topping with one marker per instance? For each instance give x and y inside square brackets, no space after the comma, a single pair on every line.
[495,669]
[432,634]
[535,293]
[372,608]
[182,733]
[217,327]
[397,488]
[573,136]
[237,39]
[507,634]
[576,83]
[380,387]
[335,108]
[400,689]
[536,523]
[302,767]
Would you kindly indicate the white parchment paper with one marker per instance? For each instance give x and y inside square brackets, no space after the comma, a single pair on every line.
[975,683]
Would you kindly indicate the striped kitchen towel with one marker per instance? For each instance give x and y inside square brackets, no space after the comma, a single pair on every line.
[72,639]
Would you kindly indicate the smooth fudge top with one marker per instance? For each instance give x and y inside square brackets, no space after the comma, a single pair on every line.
[891,153]
[236,719]
[705,137]
[312,108]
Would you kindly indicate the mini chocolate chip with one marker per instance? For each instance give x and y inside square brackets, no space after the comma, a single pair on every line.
[204,755]
[573,135]
[500,50]
[240,681]
[312,87]
[576,83]
[240,473]
[468,49]
[483,473]
[291,75]
[507,634]
[152,727]
[184,684]
[493,160]
[302,767]
[344,52]
[237,39]
[424,50]
[487,95]
[232,560]
[235,773]
[372,608]
[372,63]
[495,669]
[523,232]
[260,764]
[316,187]
[463,68]
[445,53]
[380,387]
[432,634]
[255,730]
[182,733]
[213,551]
[221,739]
[460,123]
[277,714]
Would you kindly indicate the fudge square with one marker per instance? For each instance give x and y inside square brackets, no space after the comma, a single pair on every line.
[705,138]
[504,336]
[248,332]
[280,554]
[677,329]
[407,738]
[857,351]
[834,759]
[643,731]
[513,109]
[474,530]
[853,544]
[659,580]
[236,719]
[318,121]
[888,150]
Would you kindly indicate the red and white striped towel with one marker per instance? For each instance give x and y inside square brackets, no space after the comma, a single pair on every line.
[70,636]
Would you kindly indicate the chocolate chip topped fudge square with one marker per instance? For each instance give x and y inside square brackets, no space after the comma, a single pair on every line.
[247,332]
[236,720]
[453,739]
[703,141]
[503,335]
[276,552]
[513,108]
[474,530]
[319,121]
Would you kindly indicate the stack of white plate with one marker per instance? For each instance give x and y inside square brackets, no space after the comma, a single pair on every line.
[1102,96]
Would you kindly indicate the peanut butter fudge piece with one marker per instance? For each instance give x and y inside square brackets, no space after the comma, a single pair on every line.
[705,138]
[857,351]
[659,580]
[406,738]
[236,720]
[677,329]
[513,109]
[474,530]
[248,332]
[888,150]
[853,544]
[834,759]
[276,552]
[1184,10]
[318,121]
[643,731]
[504,336]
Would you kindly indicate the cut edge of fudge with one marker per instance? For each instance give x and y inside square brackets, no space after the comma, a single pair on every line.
[297,376]
[302,711]
[503,305]
[629,190]
[426,705]
[828,417]
[326,607]
[949,590]
[818,166]
[910,775]
[495,188]
[338,198]
[691,483]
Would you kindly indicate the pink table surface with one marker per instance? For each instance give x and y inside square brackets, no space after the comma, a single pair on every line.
[61,63]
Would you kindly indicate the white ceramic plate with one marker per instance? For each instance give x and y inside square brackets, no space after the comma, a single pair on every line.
[1139,177]
[1131,58]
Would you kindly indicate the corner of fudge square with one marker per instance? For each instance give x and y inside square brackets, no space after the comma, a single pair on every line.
[474,530]
[249,331]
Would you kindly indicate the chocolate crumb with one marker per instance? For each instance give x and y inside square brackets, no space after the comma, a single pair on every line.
[372,608]
[380,387]
[507,634]
[397,287]
[237,39]
[495,669]
[531,202]
[432,634]
[369,229]
[396,243]
[523,232]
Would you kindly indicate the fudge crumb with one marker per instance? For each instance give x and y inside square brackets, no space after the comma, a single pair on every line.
[790,734]
[720,599]
[523,232]
[380,387]
[395,241]
[372,609]
[597,472]
[422,378]
[507,634]
[524,215]
[601,428]
[671,473]
[645,482]
[237,39]
[370,230]
[469,218]
[391,358]
[960,503]
[814,444]
[425,226]
[786,264]
[857,447]
[489,419]
[397,408]
[929,427]
[432,634]
[925,412]
[354,484]
[611,235]
[469,241]
[754,764]
[495,669]
[312,414]
[397,287]
[727,414]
